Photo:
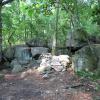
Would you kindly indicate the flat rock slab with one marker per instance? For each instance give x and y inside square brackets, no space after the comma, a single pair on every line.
[38,50]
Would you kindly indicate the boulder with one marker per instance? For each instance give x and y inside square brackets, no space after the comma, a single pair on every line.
[33,64]
[94,39]
[16,67]
[38,50]
[45,64]
[8,53]
[36,43]
[23,54]
[76,39]
[58,63]
[6,64]
[87,58]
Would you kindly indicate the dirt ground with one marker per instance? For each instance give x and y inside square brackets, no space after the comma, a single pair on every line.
[30,85]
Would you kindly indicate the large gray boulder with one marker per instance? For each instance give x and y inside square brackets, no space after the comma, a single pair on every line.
[87,58]
[38,50]
[16,67]
[76,38]
[36,43]
[33,64]
[23,54]
[8,53]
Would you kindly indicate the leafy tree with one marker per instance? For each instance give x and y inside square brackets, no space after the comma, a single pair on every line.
[2,3]
[28,19]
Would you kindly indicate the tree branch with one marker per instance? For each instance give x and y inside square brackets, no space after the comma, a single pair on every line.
[6,2]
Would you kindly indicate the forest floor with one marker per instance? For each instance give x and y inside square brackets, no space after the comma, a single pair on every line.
[30,85]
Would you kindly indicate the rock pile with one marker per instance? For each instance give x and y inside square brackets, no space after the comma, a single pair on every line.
[21,57]
[35,53]
[58,63]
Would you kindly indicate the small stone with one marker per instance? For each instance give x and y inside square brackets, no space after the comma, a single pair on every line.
[45,76]
[23,74]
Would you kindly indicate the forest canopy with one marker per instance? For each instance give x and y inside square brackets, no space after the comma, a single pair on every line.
[23,20]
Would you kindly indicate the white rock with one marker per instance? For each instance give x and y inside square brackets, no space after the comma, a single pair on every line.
[58,63]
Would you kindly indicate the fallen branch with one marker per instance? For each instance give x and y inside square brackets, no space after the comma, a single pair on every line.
[74,86]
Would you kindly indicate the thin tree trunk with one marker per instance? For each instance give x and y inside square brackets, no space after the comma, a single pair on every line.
[25,34]
[31,30]
[56,29]
[76,15]
[25,31]
[0,33]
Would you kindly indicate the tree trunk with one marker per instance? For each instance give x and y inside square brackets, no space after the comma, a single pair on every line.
[0,33]
[76,19]
[56,29]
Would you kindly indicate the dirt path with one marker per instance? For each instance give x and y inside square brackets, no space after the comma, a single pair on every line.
[58,86]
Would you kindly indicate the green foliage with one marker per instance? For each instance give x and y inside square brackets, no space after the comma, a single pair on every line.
[87,74]
[91,76]
[23,20]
